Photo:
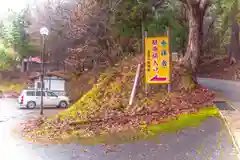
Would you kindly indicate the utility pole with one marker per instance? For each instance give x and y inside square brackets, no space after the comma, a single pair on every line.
[44,32]
[42,73]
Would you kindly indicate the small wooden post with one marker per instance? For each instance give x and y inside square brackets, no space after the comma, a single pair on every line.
[170,58]
[135,85]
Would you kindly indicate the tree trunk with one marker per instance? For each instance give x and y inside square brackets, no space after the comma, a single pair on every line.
[201,31]
[191,57]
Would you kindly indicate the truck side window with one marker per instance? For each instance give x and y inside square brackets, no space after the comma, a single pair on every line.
[30,93]
[38,93]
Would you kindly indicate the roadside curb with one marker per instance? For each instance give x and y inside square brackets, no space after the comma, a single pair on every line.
[235,143]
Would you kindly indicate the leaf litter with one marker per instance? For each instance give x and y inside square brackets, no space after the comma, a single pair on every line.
[104,109]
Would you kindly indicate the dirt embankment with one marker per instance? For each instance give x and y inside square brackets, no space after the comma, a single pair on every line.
[105,107]
[220,68]
[12,82]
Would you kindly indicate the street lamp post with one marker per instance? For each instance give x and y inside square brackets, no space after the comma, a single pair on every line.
[44,32]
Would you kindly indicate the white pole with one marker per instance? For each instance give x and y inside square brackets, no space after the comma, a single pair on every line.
[135,84]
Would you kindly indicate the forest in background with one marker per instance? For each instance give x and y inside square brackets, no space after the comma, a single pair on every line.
[91,36]
[100,42]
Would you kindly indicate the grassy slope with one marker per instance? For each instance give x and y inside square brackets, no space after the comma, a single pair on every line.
[105,107]
[9,87]
[111,91]
[220,68]
[12,81]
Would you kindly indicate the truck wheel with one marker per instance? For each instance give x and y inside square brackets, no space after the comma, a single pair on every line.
[62,104]
[31,105]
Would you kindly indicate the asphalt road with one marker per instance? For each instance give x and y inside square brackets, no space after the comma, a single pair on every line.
[210,141]
[227,89]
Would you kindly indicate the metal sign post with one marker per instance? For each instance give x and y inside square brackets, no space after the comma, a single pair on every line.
[170,58]
[145,36]
[44,32]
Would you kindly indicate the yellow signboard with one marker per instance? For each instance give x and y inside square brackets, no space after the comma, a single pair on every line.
[157,60]
[238,18]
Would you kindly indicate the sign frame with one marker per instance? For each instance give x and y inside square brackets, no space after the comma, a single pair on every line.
[157,60]
[237,18]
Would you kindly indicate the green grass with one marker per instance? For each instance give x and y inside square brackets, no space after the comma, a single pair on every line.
[151,131]
[183,121]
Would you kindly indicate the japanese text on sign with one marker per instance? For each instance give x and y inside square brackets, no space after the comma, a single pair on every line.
[157,60]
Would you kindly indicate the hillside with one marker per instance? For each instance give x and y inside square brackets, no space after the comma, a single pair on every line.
[12,82]
[220,68]
[105,107]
